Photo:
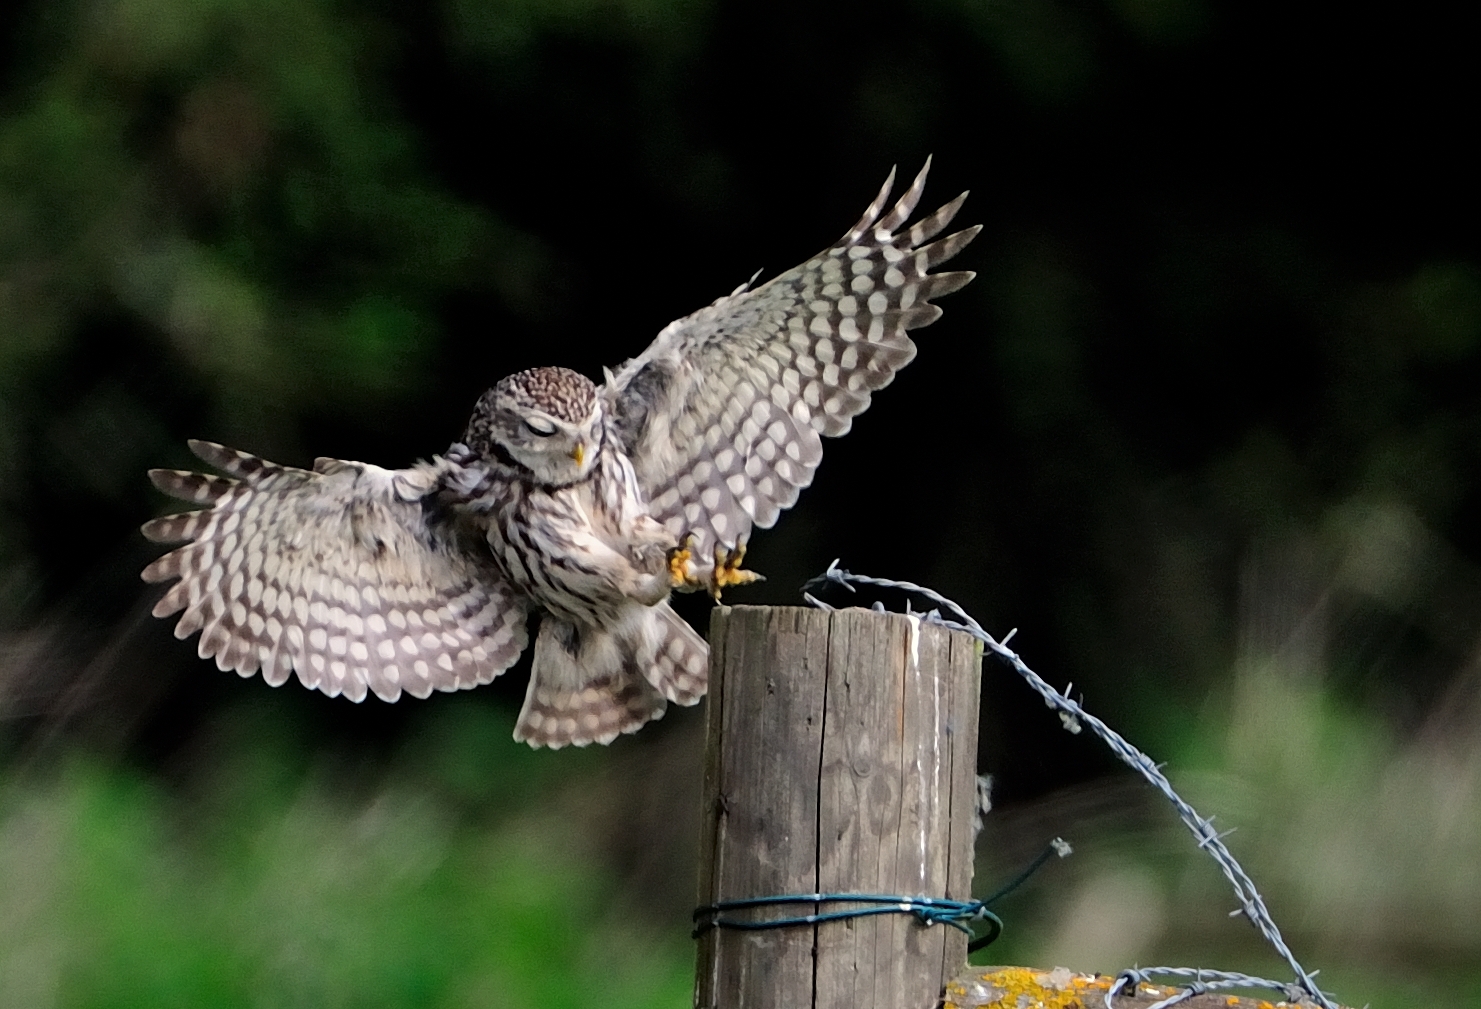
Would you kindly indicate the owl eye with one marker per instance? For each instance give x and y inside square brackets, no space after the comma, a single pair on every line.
[539,428]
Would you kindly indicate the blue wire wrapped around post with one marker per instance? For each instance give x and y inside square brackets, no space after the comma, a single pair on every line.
[841,760]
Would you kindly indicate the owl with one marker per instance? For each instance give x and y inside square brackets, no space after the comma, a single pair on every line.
[584,504]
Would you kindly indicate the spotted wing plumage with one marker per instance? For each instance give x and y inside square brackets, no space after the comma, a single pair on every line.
[337,573]
[723,414]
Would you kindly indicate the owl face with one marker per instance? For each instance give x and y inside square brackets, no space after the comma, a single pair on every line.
[548,420]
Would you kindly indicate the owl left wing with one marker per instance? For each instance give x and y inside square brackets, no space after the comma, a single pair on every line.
[354,576]
[722,415]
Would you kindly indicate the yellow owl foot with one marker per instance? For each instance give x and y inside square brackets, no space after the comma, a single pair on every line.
[678,560]
[727,570]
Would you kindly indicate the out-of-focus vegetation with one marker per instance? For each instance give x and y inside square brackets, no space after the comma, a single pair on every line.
[1207,429]
[262,878]
[1363,834]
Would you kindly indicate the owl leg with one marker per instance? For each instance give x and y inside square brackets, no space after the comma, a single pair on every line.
[727,570]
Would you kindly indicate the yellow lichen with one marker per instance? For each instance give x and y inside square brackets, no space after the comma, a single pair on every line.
[1023,988]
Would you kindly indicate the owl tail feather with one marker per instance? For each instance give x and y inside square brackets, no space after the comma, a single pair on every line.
[681,665]
[589,685]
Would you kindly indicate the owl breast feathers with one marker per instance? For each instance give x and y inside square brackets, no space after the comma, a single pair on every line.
[585,504]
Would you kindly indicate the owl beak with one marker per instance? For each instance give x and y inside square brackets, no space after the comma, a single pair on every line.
[579,454]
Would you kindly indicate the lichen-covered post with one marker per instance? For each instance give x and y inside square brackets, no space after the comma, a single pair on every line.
[841,758]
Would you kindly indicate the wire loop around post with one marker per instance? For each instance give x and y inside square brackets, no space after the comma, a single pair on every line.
[958,914]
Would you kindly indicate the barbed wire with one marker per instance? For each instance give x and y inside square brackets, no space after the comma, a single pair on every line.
[1203,980]
[1074,717]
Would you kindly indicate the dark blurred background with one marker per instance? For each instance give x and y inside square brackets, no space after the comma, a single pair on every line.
[1206,429]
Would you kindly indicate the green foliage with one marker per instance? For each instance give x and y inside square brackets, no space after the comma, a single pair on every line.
[270,878]
[230,182]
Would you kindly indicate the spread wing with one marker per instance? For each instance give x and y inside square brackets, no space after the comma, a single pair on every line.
[338,573]
[722,415]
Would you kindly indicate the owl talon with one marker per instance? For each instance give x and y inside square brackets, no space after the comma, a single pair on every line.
[678,562]
[727,570]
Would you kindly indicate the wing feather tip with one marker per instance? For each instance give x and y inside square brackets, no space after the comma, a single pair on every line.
[169,528]
[167,479]
[158,571]
[938,285]
[167,606]
[905,206]
[871,213]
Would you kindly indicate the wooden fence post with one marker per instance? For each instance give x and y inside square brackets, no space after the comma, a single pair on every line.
[841,757]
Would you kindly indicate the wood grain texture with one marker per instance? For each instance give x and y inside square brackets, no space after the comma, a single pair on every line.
[841,757]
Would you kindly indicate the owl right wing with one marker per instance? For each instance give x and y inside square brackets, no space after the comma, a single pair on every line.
[338,573]
[722,415]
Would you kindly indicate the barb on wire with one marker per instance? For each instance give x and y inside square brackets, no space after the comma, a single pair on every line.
[1251,904]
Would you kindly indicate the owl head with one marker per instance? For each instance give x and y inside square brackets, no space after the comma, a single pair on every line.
[547,420]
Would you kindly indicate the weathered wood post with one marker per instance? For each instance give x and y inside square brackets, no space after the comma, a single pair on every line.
[840,758]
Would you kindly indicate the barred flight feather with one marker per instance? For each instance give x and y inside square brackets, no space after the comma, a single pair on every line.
[330,575]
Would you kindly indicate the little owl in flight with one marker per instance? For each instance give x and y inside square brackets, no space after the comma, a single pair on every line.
[587,504]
